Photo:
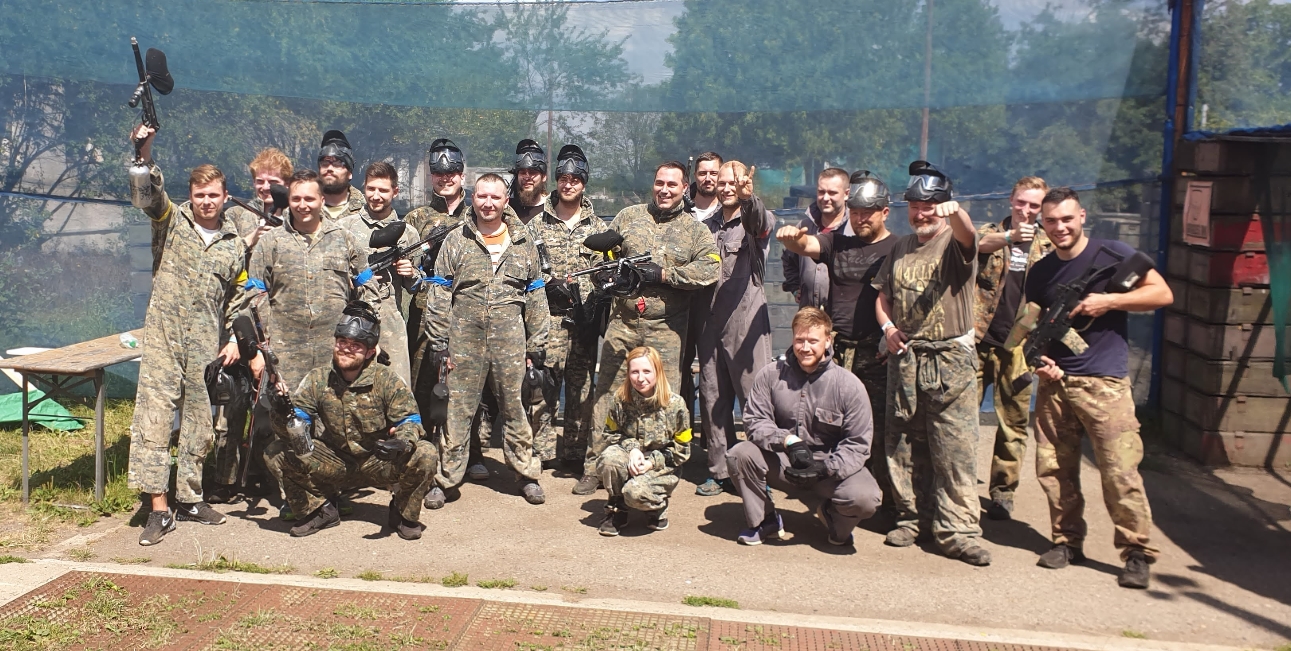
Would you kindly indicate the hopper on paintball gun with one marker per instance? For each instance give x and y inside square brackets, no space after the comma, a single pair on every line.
[152,75]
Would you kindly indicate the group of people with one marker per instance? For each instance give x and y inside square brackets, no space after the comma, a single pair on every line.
[874,407]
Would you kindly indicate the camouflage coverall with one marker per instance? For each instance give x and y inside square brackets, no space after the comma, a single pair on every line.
[661,434]
[425,219]
[1003,367]
[195,295]
[658,318]
[308,281]
[488,319]
[387,292]
[354,204]
[571,356]
[735,342]
[932,408]
[354,416]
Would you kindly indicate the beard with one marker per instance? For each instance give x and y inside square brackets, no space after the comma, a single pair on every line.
[1075,239]
[707,194]
[927,230]
[335,187]
[531,197]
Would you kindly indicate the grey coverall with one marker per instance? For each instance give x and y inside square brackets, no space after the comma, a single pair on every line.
[830,411]
[804,277]
[735,342]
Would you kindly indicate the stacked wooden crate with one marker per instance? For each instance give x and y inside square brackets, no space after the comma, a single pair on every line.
[1220,402]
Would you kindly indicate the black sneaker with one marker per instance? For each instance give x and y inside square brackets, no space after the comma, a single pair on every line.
[323,517]
[587,485]
[1001,508]
[659,519]
[199,512]
[616,520]
[1135,575]
[222,495]
[409,530]
[1061,556]
[159,524]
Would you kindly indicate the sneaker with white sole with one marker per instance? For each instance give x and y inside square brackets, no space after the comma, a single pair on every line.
[198,512]
[159,524]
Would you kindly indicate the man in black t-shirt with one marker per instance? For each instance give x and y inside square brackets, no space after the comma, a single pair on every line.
[853,255]
[1006,252]
[1089,394]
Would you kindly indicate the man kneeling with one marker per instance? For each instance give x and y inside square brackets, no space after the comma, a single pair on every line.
[647,436]
[809,426]
[371,434]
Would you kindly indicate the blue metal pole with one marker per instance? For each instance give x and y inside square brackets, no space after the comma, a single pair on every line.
[1167,190]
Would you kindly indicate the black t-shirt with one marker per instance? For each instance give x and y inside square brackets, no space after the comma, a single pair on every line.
[525,213]
[852,264]
[1010,296]
[1107,336]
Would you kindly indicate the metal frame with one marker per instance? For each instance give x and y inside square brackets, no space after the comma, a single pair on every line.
[57,385]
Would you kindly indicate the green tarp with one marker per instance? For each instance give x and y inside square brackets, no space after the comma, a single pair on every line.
[47,413]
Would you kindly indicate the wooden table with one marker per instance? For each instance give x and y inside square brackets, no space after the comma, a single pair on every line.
[60,370]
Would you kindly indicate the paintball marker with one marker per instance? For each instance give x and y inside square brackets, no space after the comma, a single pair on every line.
[152,75]
[251,340]
[280,203]
[389,237]
[1041,327]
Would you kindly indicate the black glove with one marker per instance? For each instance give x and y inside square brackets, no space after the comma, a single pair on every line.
[391,449]
[538,357]
[799,454]
[437,358]
[559,297]
[806,476]
[651,273]
[383,358]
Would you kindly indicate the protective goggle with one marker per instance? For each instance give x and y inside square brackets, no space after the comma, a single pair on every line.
[531,160]
[928,187]
[869,194]
[447,161]
[573,167]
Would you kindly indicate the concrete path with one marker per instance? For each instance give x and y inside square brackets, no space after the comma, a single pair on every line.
[1224,578]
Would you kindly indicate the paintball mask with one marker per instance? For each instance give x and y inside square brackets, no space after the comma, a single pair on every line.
[571,160]
[360,323]
[222,385]
[446,157]
[867,192]
[529,156]
[336,146]
[927,183]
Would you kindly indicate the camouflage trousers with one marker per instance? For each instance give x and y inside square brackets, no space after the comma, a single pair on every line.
[863,359]
[310,480]
[753,469]
[932,440]
[498,358]
[645,492]
[394,338]
[230,433]
[1004,367]
[571,362]
[1102,409]
[170,381]
[624,333]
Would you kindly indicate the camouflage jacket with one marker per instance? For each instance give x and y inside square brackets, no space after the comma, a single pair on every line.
[196,287]
[683,247]
[991,268]
[424,220]
[245,220]
[467,292]
[361,225]
[565,248]
[663,435]
[355,204]
[355,415]
[308,283]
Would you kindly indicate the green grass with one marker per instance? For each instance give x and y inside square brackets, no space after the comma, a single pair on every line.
[1134,634]
[223,564]
[496,583]
[574,589]
[62,474]
[81,554]
[455,580]
[716,602]
[327,573]
[137,560]
[369,575]
[12,559]
[538,588]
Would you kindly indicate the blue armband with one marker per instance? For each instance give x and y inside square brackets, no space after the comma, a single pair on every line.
[363,277]
[537,284]
[255,283]
[303,415]
[415,418]
[442,281]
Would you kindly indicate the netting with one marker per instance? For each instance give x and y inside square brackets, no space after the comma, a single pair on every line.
[1072,92]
